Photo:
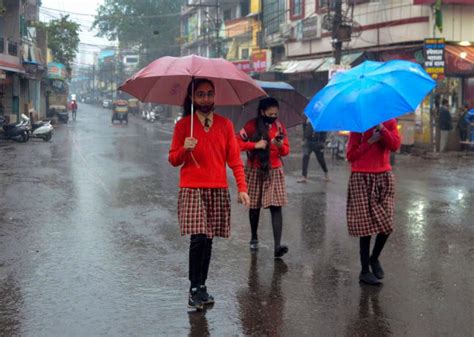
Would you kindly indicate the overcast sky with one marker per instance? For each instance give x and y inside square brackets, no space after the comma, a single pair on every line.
[82,12]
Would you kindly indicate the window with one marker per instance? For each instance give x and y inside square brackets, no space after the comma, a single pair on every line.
[296,9]
[273,15]
[245,8]
[227,14]
[322,5]
[245,54]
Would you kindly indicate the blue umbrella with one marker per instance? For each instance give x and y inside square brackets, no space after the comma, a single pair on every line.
[367,95]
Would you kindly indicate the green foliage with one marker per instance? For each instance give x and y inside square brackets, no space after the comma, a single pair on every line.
[63,39]
[152,26]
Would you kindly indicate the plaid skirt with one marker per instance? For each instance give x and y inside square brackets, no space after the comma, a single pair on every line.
[266,192]
[370,203]
[204,211]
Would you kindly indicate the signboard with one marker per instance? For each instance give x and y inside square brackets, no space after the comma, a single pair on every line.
[337,68]
[56,71]
[243,65]
[310,28]
[259,61]
[434,58]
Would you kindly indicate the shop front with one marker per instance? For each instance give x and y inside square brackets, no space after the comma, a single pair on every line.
[10,90]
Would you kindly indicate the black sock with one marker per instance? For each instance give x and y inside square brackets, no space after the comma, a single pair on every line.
[277,224]
[380,241]
[206,261]
[254,216]
[196,252]
[364,252]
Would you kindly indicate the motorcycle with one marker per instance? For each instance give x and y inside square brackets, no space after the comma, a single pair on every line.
[151,116]
[16,131]
[42,129]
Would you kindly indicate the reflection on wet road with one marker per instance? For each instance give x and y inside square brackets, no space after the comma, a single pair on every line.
[89,246]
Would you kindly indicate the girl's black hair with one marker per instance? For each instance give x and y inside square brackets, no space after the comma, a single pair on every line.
[263,155]
[187,101]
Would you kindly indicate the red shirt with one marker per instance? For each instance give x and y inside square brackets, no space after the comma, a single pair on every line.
[213,151]
[276,152]
[373,158]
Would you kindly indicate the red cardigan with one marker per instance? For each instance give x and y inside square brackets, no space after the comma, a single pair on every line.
[275,152]
[373,158]
[213,151]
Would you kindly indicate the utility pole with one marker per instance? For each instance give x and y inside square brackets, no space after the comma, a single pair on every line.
[217,26]
[336,38]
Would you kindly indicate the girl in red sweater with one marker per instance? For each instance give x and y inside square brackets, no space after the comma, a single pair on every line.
[264,139]
[204,200]
[370,200]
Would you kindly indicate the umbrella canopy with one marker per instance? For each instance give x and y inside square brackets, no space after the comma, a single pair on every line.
[166,81]
[369,94]
[292,104]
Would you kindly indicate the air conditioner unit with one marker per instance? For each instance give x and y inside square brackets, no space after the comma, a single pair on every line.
[286,30]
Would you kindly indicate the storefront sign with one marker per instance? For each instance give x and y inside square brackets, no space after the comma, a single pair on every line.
[337,68]
[259,61]
[434,58]
[243,65]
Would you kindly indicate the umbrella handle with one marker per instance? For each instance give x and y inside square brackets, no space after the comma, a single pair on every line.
[192,108]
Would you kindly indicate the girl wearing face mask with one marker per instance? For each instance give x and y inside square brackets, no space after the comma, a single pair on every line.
[204,200]
[264,139]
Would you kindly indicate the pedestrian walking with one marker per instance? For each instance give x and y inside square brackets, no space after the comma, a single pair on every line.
[204,200]
[264,138]
[313,142]
[463,125]
[445,124]
[370,200]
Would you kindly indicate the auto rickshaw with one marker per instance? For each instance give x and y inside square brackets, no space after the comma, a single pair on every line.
[120,111]
[133,105]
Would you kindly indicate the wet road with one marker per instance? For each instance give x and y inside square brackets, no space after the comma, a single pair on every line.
[89,246]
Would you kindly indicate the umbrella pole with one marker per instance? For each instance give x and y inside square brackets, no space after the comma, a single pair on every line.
[192,106]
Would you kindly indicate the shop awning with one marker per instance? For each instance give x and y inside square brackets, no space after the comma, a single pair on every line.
[298,66]
[347,59]
[459,60]
[319,64]
[16,68]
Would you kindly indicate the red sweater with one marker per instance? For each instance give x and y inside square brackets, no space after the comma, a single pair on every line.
[373,158]
[276,152]
[213,151]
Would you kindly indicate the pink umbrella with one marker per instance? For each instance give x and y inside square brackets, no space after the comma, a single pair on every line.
[166,81]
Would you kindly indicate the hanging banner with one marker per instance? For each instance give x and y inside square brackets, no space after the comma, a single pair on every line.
[434,58]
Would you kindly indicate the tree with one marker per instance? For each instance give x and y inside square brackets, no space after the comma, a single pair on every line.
[63,39]
[152,26]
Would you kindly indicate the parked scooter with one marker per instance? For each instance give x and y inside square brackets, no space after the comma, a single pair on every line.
[41,129]
[16,131]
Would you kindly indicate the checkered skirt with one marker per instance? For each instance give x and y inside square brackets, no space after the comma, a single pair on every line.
[266,192]
[204,211]
[370,203]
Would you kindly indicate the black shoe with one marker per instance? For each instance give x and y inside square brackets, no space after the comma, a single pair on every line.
[253,245]
[369,278]
[280,251]
[194,301]
[206,299]
[377,269]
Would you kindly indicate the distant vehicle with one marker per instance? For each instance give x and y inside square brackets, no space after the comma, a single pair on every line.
[107,103]
[120,111]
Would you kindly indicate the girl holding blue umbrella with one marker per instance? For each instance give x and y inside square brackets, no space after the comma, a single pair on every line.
[371,192]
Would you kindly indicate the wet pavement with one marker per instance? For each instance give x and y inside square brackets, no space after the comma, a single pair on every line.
[89,246]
